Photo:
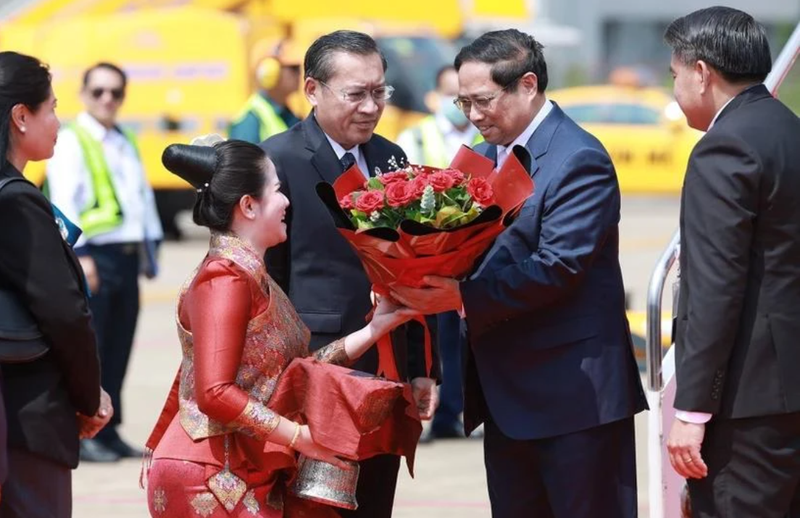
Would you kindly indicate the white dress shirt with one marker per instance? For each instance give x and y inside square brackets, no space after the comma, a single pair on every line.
[361,161]
[453,139]
[525,136]
[70,184]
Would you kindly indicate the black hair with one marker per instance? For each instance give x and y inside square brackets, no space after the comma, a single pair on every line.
[107,66]
[442,71]
[319,56]
[221,174]
[729,40]
[510,53]
[23,80]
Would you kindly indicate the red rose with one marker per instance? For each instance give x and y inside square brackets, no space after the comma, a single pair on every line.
[398,194]
[441,181]
[457,176]
[397,176]
[417,185]
[347,202]
[369,202]
[481,191]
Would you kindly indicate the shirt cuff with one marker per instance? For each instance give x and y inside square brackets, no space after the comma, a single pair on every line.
[693,417]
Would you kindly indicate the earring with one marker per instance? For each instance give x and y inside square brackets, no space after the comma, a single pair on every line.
[22,129]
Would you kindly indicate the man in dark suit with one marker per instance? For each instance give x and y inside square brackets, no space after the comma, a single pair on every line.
[315,266]
[42,397]
[550,366]
[737,433]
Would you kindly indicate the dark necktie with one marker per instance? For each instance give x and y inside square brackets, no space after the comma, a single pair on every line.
[347,161]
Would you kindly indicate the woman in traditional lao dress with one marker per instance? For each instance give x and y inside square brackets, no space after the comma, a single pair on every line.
[218,450]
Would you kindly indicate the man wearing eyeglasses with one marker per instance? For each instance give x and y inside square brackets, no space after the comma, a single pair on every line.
[315,266]
[550,368]
[96,179]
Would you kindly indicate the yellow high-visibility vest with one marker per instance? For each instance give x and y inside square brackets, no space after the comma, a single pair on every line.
[431,140]
[269,122]
[102,212]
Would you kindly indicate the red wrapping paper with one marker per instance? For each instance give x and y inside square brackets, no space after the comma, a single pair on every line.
[407,255]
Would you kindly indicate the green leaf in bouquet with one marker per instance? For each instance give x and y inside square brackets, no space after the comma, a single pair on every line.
[375,183]
[448,216]
[471,214]
[364,224]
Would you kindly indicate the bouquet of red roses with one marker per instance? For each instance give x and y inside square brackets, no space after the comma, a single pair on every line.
[418,220]
[443,199]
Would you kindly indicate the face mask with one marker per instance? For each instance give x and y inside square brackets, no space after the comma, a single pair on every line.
[452,113]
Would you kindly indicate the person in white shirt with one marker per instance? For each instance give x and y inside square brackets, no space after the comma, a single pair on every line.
[96,179]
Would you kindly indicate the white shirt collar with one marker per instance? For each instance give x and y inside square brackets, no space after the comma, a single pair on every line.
[525,136]
[340,151]
[714,120]
[93,126]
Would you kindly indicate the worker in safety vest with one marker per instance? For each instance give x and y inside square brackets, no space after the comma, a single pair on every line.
[97,180]
[266,113]
[435,140]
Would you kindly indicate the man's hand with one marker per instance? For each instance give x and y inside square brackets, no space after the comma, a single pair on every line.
[440,294]
[90,271]
[426,394]
[89,426]
[685,440]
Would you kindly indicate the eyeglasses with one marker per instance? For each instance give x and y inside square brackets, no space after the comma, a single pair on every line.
[483,103]
[116,93]
[379,95]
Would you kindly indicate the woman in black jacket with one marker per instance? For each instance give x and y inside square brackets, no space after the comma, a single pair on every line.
[42,397]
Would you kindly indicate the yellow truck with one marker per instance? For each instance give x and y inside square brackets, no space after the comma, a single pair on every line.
[188,74]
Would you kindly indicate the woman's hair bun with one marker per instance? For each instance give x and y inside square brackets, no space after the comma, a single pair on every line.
[195,164]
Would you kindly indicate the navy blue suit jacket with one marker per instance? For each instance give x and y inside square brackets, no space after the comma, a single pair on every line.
[550,350]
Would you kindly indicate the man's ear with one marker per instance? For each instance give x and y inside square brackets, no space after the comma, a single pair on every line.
[529,82]
[704,72]
[311,91]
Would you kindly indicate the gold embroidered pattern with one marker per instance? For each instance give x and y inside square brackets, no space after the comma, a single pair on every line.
[257,420]
[159,500]
[227,487]
[334,353]
[204,504]
[250,502]
[273,339]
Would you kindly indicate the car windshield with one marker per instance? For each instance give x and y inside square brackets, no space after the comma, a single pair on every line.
[612,113]
[413,64]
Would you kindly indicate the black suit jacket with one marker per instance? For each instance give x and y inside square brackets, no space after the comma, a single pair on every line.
[316,267]
[738,328]
[42,396]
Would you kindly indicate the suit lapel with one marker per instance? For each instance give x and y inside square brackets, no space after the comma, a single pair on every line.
[540,141]
[323,157]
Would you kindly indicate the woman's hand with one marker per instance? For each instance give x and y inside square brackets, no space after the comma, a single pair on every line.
[389,315]
[305,444]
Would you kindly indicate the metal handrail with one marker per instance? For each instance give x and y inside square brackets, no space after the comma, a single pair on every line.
[655,381]
[655,294]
